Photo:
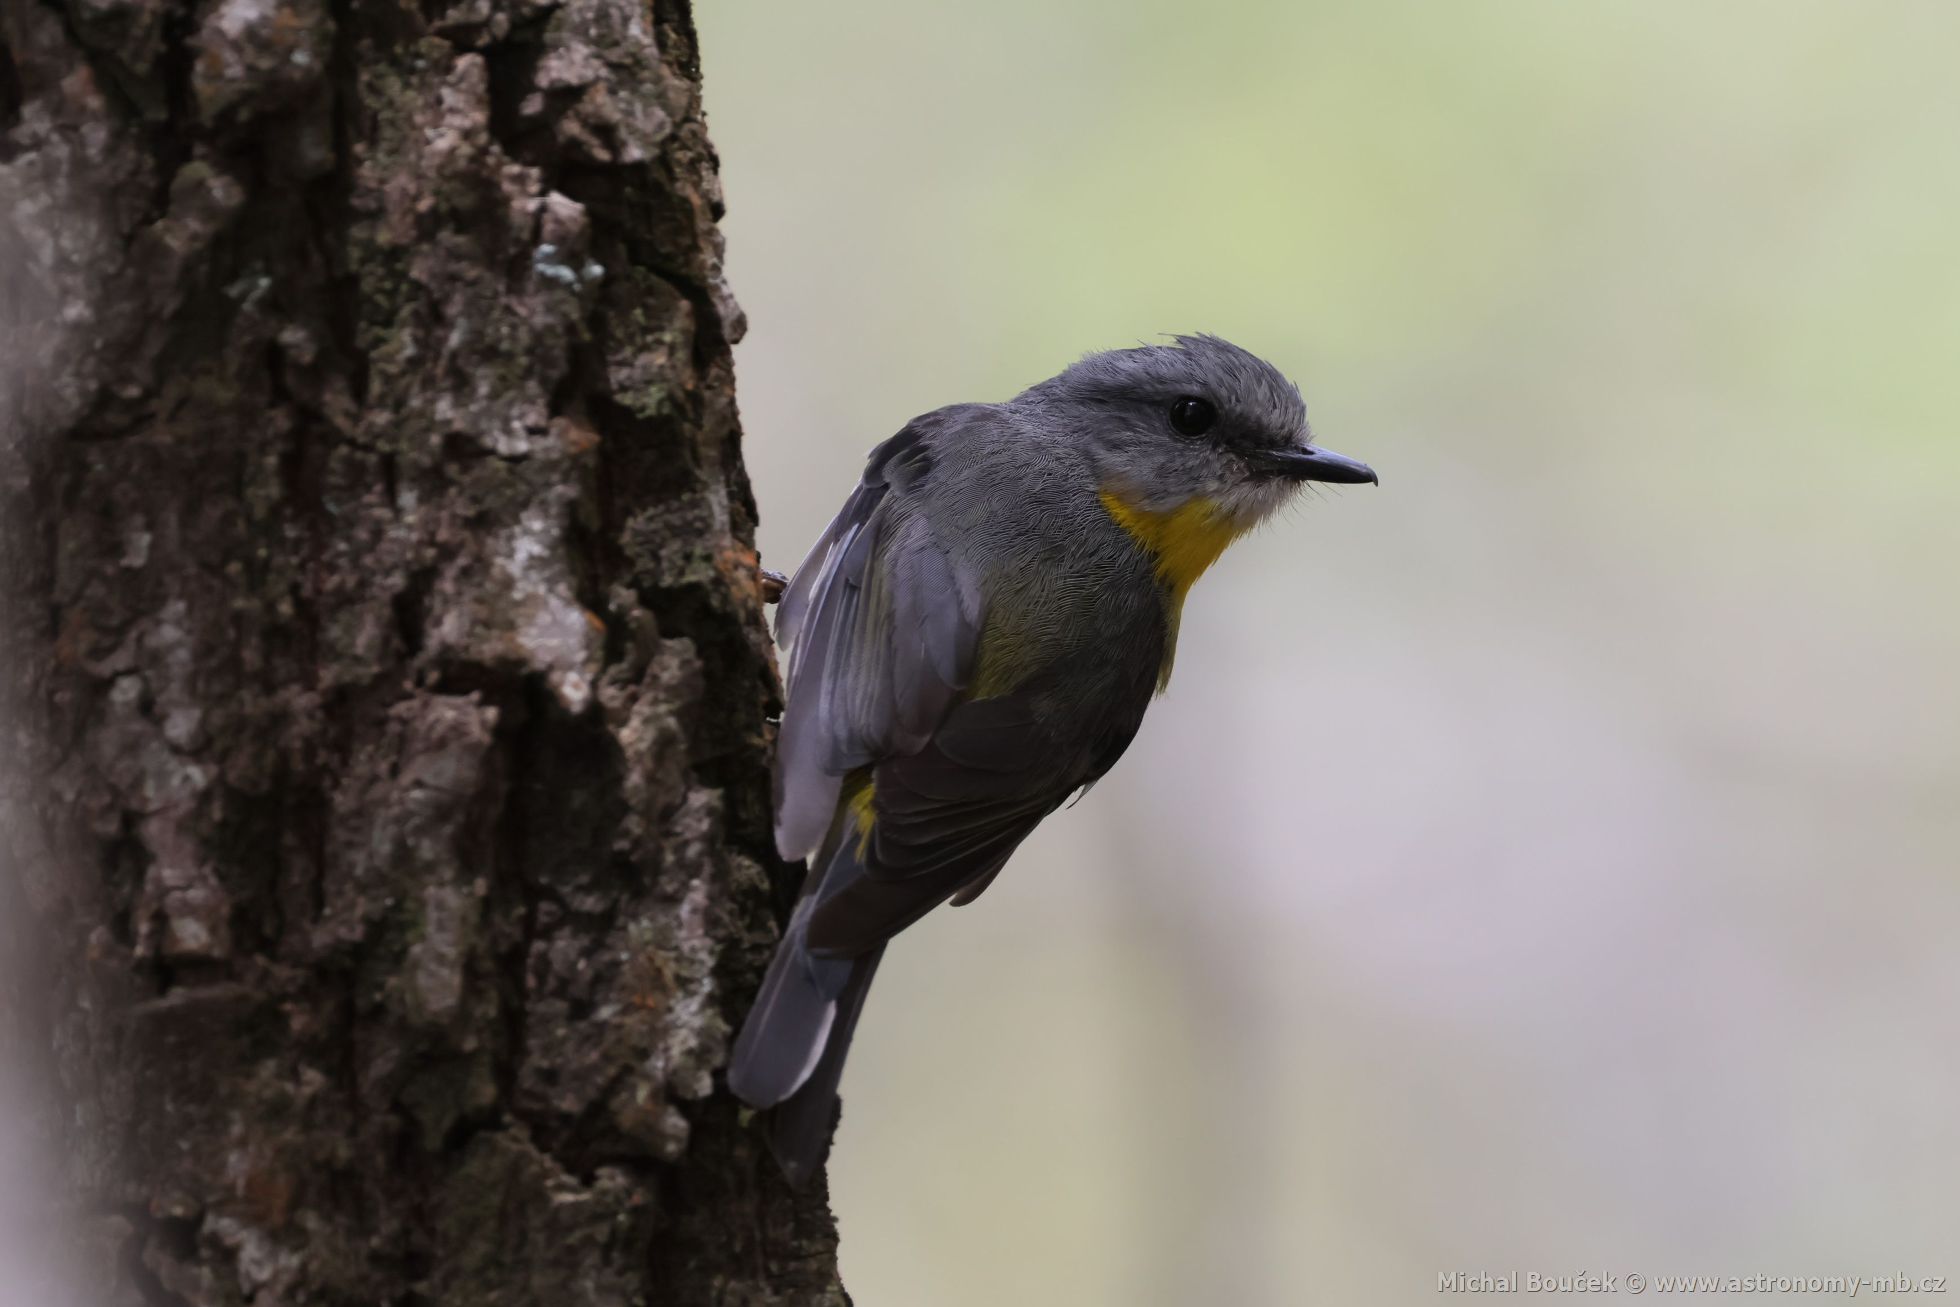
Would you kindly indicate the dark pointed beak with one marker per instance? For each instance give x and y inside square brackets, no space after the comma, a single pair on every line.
[1304,463]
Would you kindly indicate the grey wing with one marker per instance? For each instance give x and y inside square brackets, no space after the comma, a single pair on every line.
[948,817]
[881,630]
[945,821]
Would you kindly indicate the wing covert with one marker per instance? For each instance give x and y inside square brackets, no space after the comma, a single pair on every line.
[881,630]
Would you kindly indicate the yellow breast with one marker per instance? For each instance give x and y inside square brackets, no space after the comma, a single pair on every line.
[1183,542]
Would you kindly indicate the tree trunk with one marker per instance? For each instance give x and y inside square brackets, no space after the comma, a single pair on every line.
[386,620]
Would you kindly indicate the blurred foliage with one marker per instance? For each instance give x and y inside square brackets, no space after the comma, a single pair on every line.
[1545,861]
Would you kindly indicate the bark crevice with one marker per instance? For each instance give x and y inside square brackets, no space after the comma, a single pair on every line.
[402,707]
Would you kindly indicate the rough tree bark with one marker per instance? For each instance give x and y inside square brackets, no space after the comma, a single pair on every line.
[387,623]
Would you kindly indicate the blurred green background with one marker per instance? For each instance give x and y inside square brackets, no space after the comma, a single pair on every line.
[1544,862]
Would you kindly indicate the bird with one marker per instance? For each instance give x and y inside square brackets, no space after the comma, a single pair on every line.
[973,641]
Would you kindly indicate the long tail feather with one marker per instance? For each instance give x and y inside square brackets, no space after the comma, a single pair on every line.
[789,1055]
[784,1036]
[800,1127]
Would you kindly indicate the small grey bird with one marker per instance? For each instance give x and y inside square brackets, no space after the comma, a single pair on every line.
[975,639]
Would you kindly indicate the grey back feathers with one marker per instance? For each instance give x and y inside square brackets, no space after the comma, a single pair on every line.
[973,639]
[991,514]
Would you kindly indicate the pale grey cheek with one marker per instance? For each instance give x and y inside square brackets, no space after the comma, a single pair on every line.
[1252,500]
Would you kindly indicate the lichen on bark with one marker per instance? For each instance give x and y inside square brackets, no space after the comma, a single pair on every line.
[392,650]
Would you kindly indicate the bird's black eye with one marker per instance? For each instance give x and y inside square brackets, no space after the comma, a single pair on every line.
[1192,416]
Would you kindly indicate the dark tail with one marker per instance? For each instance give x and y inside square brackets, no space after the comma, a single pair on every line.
[800,1126]
[789,1056]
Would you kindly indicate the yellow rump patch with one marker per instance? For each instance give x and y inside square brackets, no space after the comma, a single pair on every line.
[1184,542]
[857,804]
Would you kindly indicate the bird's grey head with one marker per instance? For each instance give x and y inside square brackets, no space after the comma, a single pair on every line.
[1201,420]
